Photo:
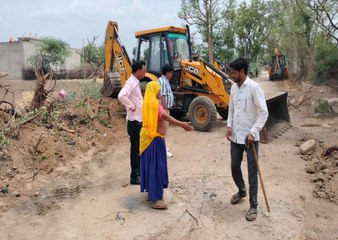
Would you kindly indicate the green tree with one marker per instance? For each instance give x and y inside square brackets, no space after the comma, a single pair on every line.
[324,15]
[51,52]
[225,39]
[94,56]
[250,29]
[205,15]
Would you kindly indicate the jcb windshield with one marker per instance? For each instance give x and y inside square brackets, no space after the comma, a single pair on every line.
[178,48]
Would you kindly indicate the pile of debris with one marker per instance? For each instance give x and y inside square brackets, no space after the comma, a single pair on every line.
[322,164]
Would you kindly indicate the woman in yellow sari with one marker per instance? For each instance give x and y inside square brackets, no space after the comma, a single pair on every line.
[153,160]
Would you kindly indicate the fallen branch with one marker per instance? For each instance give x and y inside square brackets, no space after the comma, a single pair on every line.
[65,129]
[103,107]
[30,118]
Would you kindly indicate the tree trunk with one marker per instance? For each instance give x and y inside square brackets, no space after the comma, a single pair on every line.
[40,94]
[211,50]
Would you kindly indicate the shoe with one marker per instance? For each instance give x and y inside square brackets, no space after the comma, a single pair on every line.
[168,149]
[251,215]
[169,154]
[135,181]
[237,197]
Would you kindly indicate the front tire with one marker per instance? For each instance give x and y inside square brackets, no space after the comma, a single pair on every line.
[202,113]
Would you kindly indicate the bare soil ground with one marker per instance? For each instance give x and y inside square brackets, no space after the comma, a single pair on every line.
[68,177]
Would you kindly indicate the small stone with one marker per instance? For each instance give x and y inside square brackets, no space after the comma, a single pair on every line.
[308,146]
[37,193]
[16,194]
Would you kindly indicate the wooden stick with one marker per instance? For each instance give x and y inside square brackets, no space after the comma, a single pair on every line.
[260,177]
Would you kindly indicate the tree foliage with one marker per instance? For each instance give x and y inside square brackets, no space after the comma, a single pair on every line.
[250,29]
[324,14]
[305,31]
[93,55]
[50,52]
[206,15]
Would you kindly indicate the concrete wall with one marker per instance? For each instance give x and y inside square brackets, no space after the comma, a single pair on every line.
[14,57]
[11,60]
[73,61]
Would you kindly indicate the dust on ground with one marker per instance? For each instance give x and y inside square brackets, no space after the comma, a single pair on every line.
[73,175]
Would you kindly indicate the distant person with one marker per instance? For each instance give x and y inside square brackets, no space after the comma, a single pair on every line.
[247,116]
[166,94]
[256,71]
[130,96]
[153,162]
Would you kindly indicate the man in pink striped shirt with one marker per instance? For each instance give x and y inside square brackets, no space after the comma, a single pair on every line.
[131,97]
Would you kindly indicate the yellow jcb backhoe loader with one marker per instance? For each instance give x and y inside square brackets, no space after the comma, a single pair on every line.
[278,69]
[200,89]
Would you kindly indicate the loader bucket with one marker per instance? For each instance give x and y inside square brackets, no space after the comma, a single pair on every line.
[278,120]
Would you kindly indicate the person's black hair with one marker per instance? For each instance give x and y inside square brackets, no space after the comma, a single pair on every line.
[137,65]
[239,64]
[167,68]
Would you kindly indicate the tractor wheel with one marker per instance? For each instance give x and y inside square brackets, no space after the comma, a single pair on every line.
[223,112]
[202,113]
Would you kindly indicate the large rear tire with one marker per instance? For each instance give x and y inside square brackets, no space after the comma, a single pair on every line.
[202,113]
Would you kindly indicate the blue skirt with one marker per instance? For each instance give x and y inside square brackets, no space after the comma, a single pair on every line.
[154,170]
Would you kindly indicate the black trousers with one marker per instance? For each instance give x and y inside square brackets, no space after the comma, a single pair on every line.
[236,151]
[134,128]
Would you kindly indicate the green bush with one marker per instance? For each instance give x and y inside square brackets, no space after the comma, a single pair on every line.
[326,57]
[322,106]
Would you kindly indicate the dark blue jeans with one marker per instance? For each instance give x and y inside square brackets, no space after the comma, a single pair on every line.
[236,151]
[134,128]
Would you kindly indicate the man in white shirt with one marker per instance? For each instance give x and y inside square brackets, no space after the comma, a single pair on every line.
[131,97]
[166,94]
[247,115]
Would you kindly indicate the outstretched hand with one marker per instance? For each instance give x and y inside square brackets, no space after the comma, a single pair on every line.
[187,126]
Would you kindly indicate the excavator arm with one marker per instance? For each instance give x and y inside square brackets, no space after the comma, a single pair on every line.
[117,67]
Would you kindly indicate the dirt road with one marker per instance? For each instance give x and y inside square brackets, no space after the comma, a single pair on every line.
[98,203]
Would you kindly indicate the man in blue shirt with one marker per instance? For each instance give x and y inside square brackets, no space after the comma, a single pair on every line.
[166,94]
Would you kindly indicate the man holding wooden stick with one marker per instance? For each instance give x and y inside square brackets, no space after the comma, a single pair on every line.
[247,115]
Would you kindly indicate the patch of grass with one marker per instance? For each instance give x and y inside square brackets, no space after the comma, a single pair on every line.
[70,97]
[322,106]
[91,89]
[106,123]
[3,140]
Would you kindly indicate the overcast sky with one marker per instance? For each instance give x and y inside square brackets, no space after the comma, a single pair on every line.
[75,21]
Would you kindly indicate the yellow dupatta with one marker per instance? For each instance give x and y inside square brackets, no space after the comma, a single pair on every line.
[149,115]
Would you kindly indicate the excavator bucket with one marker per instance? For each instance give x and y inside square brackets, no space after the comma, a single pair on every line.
[279,120]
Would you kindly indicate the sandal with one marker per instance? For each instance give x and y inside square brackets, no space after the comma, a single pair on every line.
[159,204]
[251,215]
[237,197]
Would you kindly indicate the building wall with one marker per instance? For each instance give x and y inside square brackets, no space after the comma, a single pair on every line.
[73,61]
[11,60]
[14,57]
